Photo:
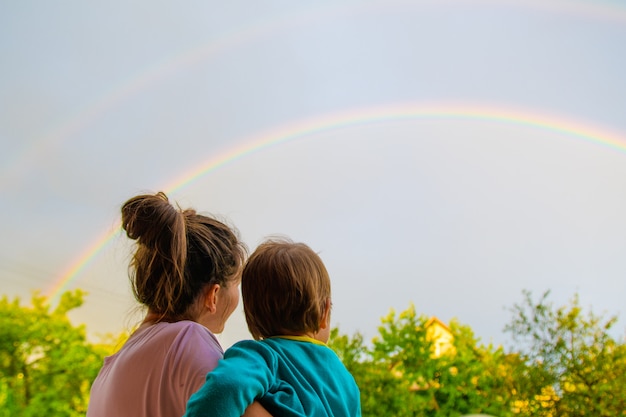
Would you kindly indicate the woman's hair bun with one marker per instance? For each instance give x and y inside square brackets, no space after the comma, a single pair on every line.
[150,219]
[178,253]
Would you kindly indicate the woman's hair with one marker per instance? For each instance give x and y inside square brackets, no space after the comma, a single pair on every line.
[285,288]
[179,253]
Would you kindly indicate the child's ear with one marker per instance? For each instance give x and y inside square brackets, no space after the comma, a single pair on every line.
[210,297]
[326,315]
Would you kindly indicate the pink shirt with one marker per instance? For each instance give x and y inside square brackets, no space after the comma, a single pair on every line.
[155,372]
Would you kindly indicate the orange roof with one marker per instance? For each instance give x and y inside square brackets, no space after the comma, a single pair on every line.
[435,320]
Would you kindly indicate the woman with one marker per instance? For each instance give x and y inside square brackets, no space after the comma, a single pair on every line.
[186,270]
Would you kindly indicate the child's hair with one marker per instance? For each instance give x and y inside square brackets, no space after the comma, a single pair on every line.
[179,253]
[285,288]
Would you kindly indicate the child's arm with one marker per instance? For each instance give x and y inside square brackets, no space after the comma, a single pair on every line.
[244,375]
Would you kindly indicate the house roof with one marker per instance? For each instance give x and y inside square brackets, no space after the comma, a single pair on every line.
[434,320]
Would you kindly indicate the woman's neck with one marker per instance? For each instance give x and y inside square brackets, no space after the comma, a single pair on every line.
[153,317]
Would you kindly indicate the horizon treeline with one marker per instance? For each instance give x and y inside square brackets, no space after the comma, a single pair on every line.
[564,362]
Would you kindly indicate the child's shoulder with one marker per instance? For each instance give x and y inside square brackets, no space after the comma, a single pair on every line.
[258,346]
[251,352]
[279,343]
[271,346]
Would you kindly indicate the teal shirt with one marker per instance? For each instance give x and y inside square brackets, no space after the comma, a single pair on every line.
[289,376]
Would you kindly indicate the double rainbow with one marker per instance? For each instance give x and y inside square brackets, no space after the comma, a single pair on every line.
[608,11]
[306,128]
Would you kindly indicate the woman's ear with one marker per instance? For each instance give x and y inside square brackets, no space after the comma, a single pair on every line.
[210,297]
[326,315]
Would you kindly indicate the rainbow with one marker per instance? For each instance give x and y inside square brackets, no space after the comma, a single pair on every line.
[358,117]
[147,77]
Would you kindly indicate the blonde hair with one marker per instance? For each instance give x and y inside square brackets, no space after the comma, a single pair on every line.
[179,253]
[285,288]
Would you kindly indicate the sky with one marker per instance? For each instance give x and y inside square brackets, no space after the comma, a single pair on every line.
[446,155]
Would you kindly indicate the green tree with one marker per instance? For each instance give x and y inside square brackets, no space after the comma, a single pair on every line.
[571,366]
[374,382]
[476,378]
[46,363]
[400,374]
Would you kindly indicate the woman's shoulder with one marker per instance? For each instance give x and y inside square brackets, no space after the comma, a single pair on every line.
[184,334]
[185,326]
[165,330]
[190,331]
[191,348]
[161,340]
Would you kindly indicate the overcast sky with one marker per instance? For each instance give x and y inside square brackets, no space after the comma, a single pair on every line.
[447,154]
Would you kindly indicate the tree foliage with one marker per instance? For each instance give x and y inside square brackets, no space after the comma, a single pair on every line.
[400,373]
[564,363]
[46,363]
[572,364]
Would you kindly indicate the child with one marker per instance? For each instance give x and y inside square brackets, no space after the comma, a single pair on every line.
[288,368]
